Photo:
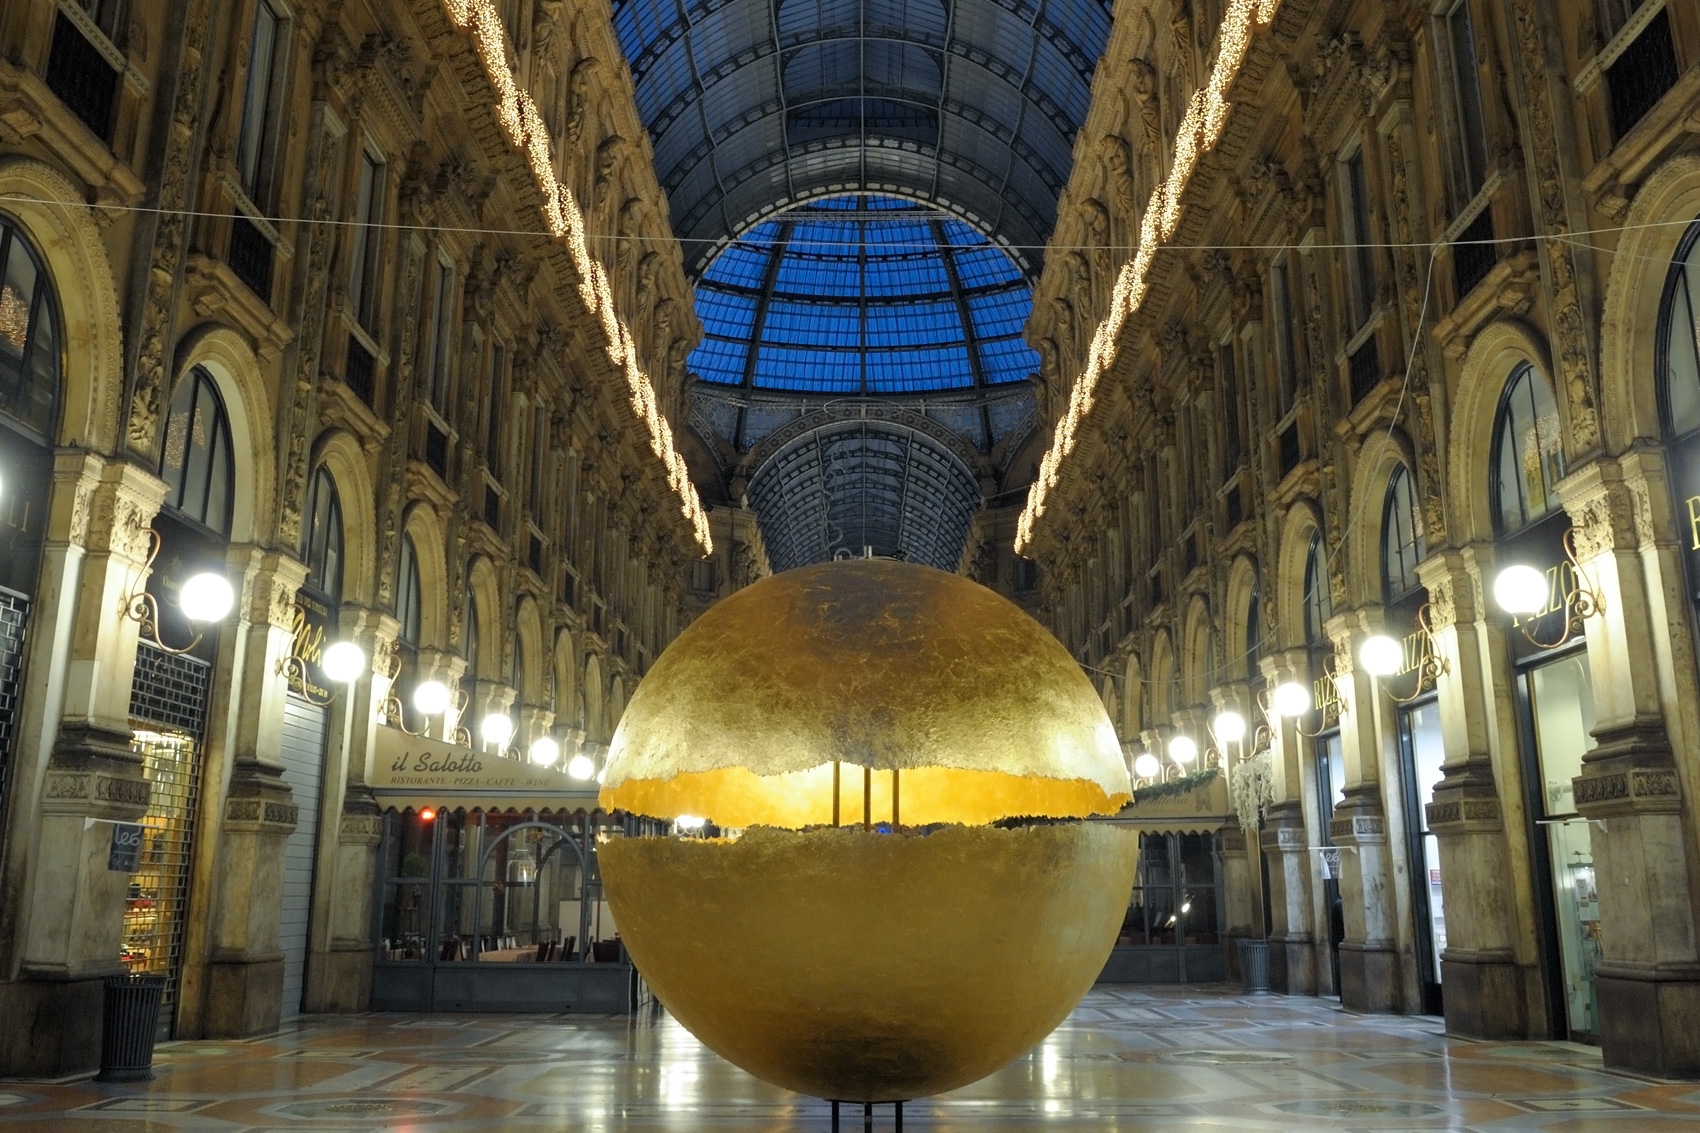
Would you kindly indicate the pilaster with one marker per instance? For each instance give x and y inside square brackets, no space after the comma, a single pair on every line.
[1648,980]
[1486,997]
[244,979]
[73,782]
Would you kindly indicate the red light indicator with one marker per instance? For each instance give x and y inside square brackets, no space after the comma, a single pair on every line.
[427,815]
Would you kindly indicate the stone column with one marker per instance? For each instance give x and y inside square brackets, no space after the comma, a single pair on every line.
[1369,955]
[244,973]
[1237,907]
[74,772]
[1649,978]
[340,945]
[534,722]
[1486,996]
[1285,842]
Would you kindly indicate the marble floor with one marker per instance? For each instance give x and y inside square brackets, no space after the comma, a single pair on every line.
[1129,1058]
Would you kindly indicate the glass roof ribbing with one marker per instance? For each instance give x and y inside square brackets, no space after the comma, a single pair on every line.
[754,106]
[863,294]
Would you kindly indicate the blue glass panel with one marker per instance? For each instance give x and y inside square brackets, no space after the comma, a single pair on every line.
[717,360]
[725,314]
[906,371]
[999,313]
[859,273]
[1007,360]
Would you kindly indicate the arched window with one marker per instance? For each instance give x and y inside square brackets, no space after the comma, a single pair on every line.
[1254,633]
[407,597]
[1401,537]
[1527,456]
[1679,340]
[324,537]
[197,464]
[471,635]
[30,346]
[1319,598]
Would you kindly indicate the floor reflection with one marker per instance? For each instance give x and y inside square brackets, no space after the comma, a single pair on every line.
[1130,1058]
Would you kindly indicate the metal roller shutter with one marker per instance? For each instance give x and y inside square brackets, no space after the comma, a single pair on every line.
[303,769]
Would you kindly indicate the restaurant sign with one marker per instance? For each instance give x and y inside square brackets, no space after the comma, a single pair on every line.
[422,764]
[307,648]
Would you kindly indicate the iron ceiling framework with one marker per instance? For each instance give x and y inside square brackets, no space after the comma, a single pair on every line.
[755,106]
[850,485]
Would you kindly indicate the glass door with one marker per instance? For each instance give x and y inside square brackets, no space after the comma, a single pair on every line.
[1422,752]
[1559,708]
[1331,792]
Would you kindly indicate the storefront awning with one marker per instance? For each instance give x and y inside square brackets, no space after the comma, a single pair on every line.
[417,771]
[1196,805]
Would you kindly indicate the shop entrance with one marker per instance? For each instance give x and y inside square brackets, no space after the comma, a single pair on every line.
[1172,933]
[1331,791]
[1421,753]
[168,704]
[303,752]
[1556,699]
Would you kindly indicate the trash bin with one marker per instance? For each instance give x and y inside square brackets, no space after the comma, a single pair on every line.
[1254,966]
[127,1028]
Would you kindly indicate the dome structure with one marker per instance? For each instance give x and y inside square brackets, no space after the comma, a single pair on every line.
[861,295]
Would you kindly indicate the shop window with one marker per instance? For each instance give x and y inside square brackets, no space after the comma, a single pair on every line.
[366,235]
[1360,259]
[1462,81]
[1286,347]
[1679,339]
[1528,458]
[324,537]
[1401,537]
[29,337]
[198,465]
[1174,892]
[408,606]
[1319,600]
[253,142]
[1642,73]
[82,74]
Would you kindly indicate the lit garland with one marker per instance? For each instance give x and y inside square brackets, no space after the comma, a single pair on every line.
[1200,130]
[517,112]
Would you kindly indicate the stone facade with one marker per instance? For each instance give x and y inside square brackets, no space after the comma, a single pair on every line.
[1381,242]
[361,263]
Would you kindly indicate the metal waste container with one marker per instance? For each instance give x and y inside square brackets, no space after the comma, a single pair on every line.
[1254,966]
[128,1026]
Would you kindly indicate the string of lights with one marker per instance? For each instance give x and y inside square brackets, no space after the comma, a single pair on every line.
[1200,130]
[523,124]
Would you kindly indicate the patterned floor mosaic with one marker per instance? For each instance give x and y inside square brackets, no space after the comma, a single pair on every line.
[1128,1059]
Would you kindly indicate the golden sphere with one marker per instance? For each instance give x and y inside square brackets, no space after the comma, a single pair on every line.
[811,710]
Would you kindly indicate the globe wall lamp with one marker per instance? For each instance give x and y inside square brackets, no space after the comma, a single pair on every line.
[1529,594]
[496,729]
[205,598]
[545,751]
[430,698]
[342,662]
[1383,657]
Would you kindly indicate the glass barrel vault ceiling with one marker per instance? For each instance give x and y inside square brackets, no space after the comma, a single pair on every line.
[755,106]
[863,294]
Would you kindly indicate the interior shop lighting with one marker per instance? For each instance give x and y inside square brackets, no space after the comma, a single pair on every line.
[1183,749]
[1291,699]
[1200,130]
[545,751]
